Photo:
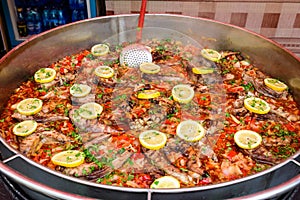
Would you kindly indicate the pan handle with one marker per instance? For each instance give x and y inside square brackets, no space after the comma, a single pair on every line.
[36,186]
[274,191]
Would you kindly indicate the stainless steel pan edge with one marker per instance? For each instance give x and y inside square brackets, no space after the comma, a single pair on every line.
[74,41]
[59,194]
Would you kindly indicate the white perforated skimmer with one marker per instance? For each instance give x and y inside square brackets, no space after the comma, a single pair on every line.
[134,55]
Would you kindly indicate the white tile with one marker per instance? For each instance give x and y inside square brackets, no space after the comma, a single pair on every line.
[286,20]
[254,20]
[190,9]
[284,32]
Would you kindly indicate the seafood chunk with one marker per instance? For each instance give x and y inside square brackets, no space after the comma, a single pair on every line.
[158,159]
[58,92]
[284,114]
[40,117]
[96,139]
[163,78]
[90,125]
[76,101]
[183,162]
[84,169]
[32,143]
[115,162]
[261,87]
[263,155]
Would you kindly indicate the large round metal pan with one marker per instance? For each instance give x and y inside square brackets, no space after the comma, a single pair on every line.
[42,183]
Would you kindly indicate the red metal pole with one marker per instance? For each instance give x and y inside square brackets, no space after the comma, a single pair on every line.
[141,20]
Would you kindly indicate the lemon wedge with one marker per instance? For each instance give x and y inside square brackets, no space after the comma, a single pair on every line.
[256,105]
[197,70]
[100,49]
[165,182]
[275,84]
[152,139]
[25,128]
[190,131]
[80,90]
[211,54]
[90,110]
[148,94]
[30,106]
[44,75]
[149,68]
[247,139]
[69,158]
[104,71]
[183,93]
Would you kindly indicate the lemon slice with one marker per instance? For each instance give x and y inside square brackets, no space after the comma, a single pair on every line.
[152,139]
[197,70]
[190,131]
[183,93]
[104,71]
[30,106]
[25,128]
[148,94]
[90,110]
[165,182]
[247,139]
[149,68]
[211,54]
[80,90]
[44,75]
[257,105]
[69,158]
[100,49]
[275,84]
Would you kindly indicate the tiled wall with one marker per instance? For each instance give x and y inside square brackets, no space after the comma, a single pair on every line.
[278,20]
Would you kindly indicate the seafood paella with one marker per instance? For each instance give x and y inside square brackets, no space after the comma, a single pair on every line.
[190,117]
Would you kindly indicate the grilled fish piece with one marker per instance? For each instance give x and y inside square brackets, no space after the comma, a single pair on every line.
[84,169]
[32,143]
[158,159]
[101,137]
[77,101]
[90,125]
[182,162]
[40,117]
[261,87]
[116,163]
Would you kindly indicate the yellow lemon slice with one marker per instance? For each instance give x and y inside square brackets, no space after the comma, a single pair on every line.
[25,128]
[165,182]
[149,68]
[256,105]
[211,54]
[197,70]
[30,106]
[104,71]
[90,110]
[80,90]
[275,84]
[183,93]
[100,49]
[247,139]
[44,75]
[190,131]
[69,158]
[148,94]
[152,139]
